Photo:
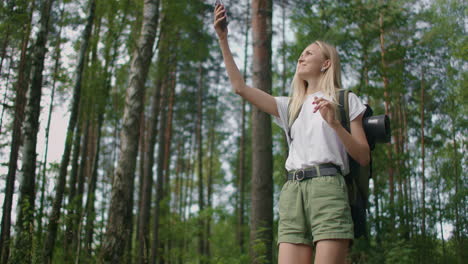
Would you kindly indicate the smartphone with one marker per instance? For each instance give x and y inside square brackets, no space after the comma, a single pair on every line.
[224,22]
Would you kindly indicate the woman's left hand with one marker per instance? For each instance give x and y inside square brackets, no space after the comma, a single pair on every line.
[327,110]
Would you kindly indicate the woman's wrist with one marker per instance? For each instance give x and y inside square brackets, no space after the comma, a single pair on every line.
[222,39]
[335,124]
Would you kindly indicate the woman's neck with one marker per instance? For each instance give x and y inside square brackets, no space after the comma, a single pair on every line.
[312,86]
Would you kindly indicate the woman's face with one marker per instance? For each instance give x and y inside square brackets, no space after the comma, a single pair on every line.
[310,62]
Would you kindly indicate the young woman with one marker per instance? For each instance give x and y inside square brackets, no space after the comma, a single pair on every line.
[313,204]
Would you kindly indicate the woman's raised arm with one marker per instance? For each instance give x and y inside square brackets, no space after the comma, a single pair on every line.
[257,97]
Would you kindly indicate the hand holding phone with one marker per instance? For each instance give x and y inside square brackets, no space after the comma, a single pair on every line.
[220,17]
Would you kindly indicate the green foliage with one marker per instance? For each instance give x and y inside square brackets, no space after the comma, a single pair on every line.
[399,251]
[425,47]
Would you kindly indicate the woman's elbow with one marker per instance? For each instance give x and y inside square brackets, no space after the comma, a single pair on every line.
[365,159]
[238,88]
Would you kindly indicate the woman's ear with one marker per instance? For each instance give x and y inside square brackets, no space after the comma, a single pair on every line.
[326,64]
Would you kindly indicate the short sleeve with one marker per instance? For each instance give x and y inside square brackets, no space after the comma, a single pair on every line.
[356,107]
[282,106]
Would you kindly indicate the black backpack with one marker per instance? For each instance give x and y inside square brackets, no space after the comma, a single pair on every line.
[357,180]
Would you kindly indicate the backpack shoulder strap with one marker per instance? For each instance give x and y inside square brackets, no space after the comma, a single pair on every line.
[343,109]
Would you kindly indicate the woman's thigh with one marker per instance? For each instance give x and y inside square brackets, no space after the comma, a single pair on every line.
[294,253]
[331,251]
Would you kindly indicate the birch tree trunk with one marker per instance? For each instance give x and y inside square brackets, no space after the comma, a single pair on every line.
[26,200]
[120,209]
[20,104]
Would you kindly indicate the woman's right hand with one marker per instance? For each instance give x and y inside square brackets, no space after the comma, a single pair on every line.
[220,25]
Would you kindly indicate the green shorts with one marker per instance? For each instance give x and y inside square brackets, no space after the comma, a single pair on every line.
[314,209]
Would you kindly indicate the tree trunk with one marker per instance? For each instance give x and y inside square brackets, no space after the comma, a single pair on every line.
[47,130]
[78,201]
[157,244]
[241,186]
[458,226]
[212,143]
[20,104]
[90,209]
[423,191]
[189,186]
[167,156]
[261,234]
[60,186]
[110,41]
[26,200]
[387,112]
[120,208]
[143,148]
[22,86]
[71,219]
[201,199]
[147,184]
[440,210]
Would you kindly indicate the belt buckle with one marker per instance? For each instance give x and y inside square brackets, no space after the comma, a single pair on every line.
[295,175]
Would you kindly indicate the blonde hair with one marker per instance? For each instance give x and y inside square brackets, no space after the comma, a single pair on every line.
[329,82]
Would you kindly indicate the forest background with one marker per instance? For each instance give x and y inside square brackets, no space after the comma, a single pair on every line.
[121,140]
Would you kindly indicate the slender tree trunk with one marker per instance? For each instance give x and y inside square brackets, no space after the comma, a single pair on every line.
[201,199]
[101,111]
[157,253]
[167,157]
[147,184]
[143,148]
[20,104]
[60,186]
[188,189]
[261,235]
[241,180]
[212,143]
[423,190]
[458,236]
[157,248]
[25,219]
[71,219]
[47,130]
[178,197]
[121,208]
[409,199]
[78,201]
[70,222]
[440,210]
[387,112]
[90,209]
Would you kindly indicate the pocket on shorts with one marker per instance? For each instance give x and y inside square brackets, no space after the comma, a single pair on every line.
[336,182]
[286,201]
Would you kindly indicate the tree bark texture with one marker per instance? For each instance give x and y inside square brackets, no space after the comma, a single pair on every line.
[120,210]
[261,233]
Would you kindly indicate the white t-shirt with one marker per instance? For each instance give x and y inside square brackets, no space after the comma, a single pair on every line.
[314,141]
